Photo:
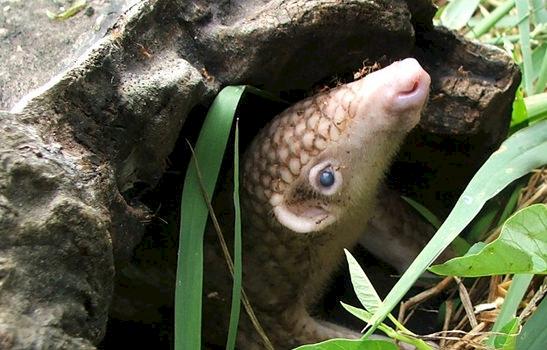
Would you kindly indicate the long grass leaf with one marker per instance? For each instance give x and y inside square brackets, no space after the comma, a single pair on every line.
[536,105]
[350,344]
[236,290]
[511,203]
[519,114]
[483,223]
[542,74]
[518,155]
[508,338]
[540,12]
[516,292]
[459,245]
[524,33]
[426,213]
[534,333]
[209,152]
[458,12]
[489,21]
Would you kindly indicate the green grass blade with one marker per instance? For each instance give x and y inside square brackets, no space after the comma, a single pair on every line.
[524,33]
[516,292]
[507,340]
[236,289]
[426,213]
[483,223]
[350,344]
[519,115]
[76,7]
[542,74]
[515,158]
[489,21]
[209,152]
[458,12]
[540,12]
[511,203]
[536,105]
[534,333]
[459,245]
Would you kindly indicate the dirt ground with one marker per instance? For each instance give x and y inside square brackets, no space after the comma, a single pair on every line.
[33,47]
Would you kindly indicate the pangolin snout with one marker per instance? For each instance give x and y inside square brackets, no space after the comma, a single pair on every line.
[392,98]
[410,86]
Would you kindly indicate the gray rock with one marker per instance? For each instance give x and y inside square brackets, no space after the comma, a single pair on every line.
[74,152]
[33,47]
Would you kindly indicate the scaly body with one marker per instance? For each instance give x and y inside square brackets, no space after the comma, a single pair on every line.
[309,182]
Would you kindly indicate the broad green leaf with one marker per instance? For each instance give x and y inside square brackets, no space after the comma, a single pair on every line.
[209,152]
[508,341]
[520,248]
[458,12]
[361,285]
[534,332]
[350,344]
[519,154]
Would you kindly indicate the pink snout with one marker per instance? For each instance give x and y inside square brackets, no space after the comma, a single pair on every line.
[409,85]
[391,98]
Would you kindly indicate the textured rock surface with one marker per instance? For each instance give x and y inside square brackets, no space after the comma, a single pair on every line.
[76,154]
[33,47]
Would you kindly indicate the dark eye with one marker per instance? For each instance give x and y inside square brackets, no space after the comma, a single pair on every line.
[326,178]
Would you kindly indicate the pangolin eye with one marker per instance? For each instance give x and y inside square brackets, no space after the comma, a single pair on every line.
[326,177]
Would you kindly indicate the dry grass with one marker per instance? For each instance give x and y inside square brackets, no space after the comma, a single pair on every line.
[467,325]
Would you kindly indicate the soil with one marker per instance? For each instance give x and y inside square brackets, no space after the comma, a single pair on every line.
[33,47]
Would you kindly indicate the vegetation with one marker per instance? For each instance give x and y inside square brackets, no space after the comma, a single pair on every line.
[502,309]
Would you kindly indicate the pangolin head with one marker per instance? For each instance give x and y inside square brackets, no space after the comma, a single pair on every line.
[319,162]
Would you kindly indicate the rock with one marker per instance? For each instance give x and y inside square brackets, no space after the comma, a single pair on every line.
[56,257]
[48,46]
[82,155]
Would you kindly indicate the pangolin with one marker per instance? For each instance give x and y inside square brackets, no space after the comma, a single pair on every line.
[309,181]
